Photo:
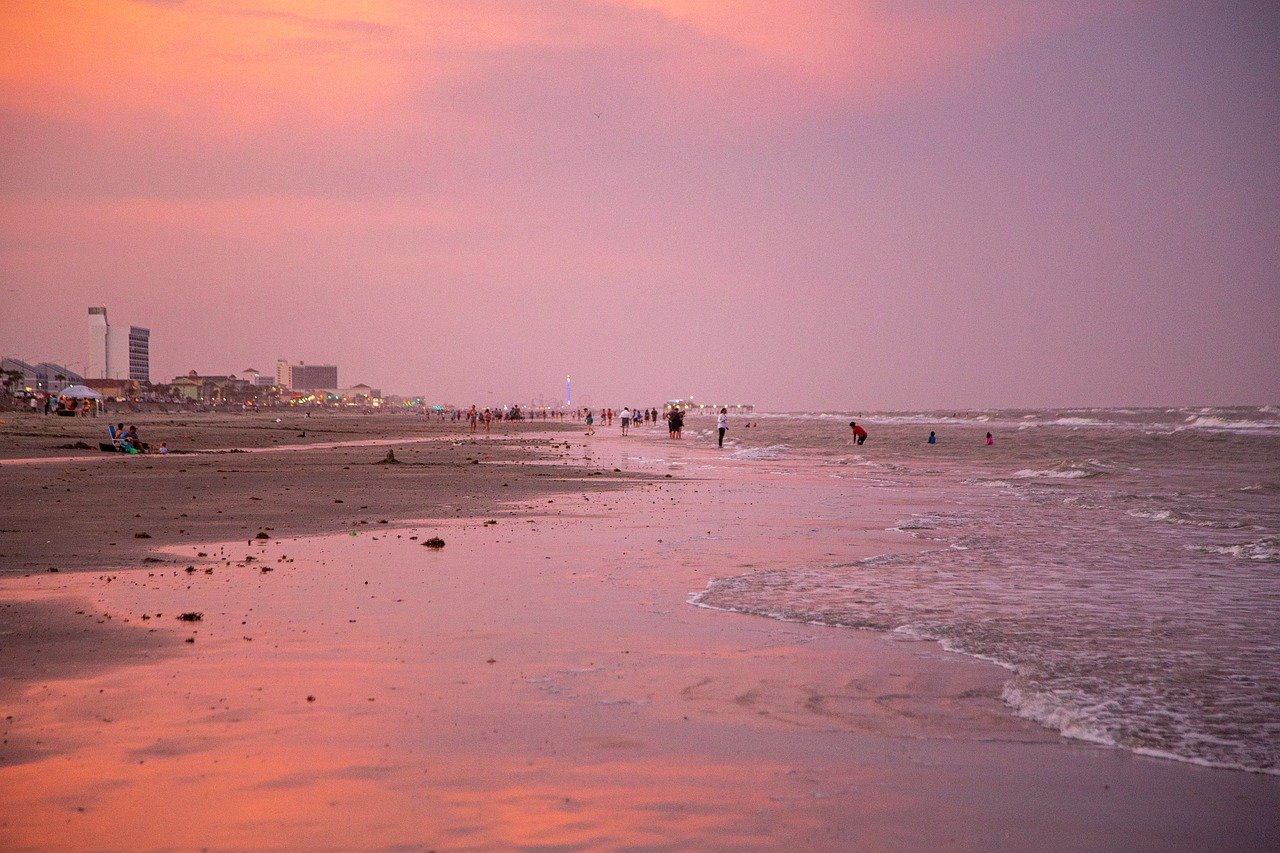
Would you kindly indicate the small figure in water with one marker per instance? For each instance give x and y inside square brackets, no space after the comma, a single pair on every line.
[858,432]
[933,437]
[722,424]
[990,440]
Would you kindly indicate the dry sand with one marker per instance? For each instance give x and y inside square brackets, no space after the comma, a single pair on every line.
[540,681]
[93,510]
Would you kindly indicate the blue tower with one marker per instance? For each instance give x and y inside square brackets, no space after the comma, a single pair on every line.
[568,391]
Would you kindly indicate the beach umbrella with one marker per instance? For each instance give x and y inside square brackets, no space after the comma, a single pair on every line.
[81,392]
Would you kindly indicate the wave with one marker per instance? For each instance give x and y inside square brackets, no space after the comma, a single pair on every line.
[926,522]
[1265,550]
[772,451]
[1175,517]
[1103,718]
[1064,471]
[1207,422]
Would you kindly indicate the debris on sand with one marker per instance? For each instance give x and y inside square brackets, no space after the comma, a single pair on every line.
[434,542]
[191,616]
[261,534]
[389,459]
[142,536]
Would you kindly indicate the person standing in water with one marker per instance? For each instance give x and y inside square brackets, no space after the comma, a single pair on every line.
[933,437]
[858,432]
[722,425]
[990,440]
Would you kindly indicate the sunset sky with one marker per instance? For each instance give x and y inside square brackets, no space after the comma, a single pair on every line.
[802,204]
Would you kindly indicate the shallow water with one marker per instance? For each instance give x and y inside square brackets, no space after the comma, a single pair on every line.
[1123,564]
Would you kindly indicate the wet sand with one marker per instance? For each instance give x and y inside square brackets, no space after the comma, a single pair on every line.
[542,681]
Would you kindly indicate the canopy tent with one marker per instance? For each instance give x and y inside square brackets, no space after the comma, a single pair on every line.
[80,392]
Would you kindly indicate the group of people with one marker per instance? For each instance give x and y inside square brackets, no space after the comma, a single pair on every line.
[629,418]
[474,418]
[127,440]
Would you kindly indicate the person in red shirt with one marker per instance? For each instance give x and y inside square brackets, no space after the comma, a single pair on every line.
[858,432]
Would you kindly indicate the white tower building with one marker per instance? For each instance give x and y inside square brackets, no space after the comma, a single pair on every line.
[99,366]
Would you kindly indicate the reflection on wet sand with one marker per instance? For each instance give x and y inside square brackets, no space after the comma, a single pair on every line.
[369,692]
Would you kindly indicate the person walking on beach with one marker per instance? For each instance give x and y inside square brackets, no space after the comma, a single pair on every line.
[488,416]
[858,432]
[472,417]
[591,423]
[625,415]
[722,425]
[933,437]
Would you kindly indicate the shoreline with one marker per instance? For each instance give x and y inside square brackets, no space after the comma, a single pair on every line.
[784,733]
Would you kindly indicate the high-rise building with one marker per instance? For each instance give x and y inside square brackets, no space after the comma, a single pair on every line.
[309,377]
[99,366]
[139,354]
[112,355]
[283,366]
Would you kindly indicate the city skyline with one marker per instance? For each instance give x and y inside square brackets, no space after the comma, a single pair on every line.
[816,205]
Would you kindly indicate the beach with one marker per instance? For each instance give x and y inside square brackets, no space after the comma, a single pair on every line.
[547,678]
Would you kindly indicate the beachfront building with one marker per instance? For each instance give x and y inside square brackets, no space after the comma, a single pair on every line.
[214,389]
[283,366]
[114,354]
[139,354]
[115,389]
[99,342]
[257,378]
[313,377]
[300,376]
[41,378]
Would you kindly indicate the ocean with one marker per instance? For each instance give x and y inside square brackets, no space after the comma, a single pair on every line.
[1122,564]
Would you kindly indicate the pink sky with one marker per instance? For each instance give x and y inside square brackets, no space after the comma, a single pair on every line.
[802,204]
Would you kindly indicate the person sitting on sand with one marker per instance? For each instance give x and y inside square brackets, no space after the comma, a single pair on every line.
[990,439]
[933,437]
[133,441]
[164,448]
[858,432]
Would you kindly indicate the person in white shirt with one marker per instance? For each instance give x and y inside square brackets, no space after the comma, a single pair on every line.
[626,419]
[722,424]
